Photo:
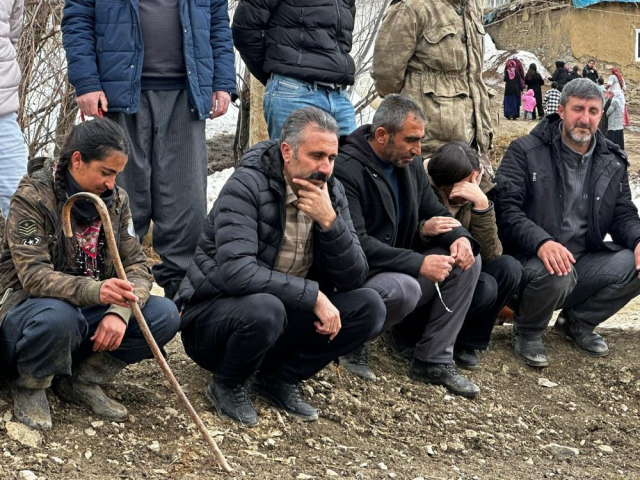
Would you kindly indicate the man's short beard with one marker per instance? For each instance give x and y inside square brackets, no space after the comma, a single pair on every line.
[580,138]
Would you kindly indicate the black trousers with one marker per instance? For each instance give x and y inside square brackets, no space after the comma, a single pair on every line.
[236,336]
[497,284]
[537,91]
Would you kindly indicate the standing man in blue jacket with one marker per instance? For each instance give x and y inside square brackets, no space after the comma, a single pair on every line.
[159,69]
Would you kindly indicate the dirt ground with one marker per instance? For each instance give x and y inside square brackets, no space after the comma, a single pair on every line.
[394,428]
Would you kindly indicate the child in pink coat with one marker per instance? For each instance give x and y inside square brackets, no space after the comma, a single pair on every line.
[528,104]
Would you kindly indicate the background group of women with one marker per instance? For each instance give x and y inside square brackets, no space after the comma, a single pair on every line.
[525,90]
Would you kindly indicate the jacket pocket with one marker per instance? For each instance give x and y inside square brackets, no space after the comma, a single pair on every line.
[203,3]
[443,49]
[290,87]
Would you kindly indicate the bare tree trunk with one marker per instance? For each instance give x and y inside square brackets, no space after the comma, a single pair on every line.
[241,141]
[47,103]
[257,125]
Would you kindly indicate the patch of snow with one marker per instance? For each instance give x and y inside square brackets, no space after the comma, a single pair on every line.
[495,61]
[224,124]
[215,182]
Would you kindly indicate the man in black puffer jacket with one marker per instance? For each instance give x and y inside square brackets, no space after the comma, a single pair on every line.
[300,51]
[276,280]
[561,189]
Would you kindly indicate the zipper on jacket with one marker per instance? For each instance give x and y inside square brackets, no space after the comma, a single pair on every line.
[534,176]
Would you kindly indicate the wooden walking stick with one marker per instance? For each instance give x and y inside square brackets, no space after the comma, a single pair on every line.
[113,251]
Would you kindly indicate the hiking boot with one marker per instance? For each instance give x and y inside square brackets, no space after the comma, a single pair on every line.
[30,405]
[400,348]
[586,341]
[83,387]
[445,374]
[232,402]
[286,396]
[466,358]
[357,362]
[530,350]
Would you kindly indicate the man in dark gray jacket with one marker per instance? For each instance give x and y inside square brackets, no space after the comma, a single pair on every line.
[561,189]
[275,284]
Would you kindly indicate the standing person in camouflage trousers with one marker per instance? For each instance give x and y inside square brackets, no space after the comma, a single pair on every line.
[432,52]
[64,313]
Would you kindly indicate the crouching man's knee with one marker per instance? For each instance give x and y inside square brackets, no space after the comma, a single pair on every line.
[265,316]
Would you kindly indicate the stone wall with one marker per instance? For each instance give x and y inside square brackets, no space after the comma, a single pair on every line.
[605,33]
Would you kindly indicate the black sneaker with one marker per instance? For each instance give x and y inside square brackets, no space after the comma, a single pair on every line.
[586,341]
[530,350]
[357,362]
[400,348]
[466,358]
[445,374]
[286,396]
[232,402]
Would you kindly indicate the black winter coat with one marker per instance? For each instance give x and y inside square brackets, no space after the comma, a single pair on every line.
[306,39]
[572,76]
[560,75]
[239,246]
[529,196]
[590,74]
[389,246]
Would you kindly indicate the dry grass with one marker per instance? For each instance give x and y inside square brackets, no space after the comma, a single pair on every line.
[500,144]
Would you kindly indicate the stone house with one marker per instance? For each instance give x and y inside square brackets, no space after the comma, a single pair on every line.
[575,31]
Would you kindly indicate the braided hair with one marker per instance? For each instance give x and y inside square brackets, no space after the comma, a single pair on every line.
[94,140]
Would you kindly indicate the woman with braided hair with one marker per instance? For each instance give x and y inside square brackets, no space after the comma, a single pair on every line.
[64,315]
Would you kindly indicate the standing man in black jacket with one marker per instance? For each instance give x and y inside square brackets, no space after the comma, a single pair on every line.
[393,207]
[276,280]
[589,71]
[300,51]
[561,189]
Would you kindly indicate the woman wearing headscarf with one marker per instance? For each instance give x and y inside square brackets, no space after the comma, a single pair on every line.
[534,82]
[615,114]
[512,88]
[616,83]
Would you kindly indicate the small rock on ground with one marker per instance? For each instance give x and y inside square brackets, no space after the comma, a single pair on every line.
[561,450]
[23,434]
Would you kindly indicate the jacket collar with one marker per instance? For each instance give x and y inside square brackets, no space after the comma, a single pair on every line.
[357,147]
[548,132]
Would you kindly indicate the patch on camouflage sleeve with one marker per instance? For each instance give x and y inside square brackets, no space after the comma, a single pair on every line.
[30,241]
[27,228]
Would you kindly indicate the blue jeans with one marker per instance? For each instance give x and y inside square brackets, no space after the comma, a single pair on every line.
[46,336]
[283,95]
[13,159]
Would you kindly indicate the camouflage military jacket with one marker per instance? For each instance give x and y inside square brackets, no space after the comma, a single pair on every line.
[32,258]
[432,52]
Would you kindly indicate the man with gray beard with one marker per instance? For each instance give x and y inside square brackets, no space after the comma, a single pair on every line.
[561,190]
